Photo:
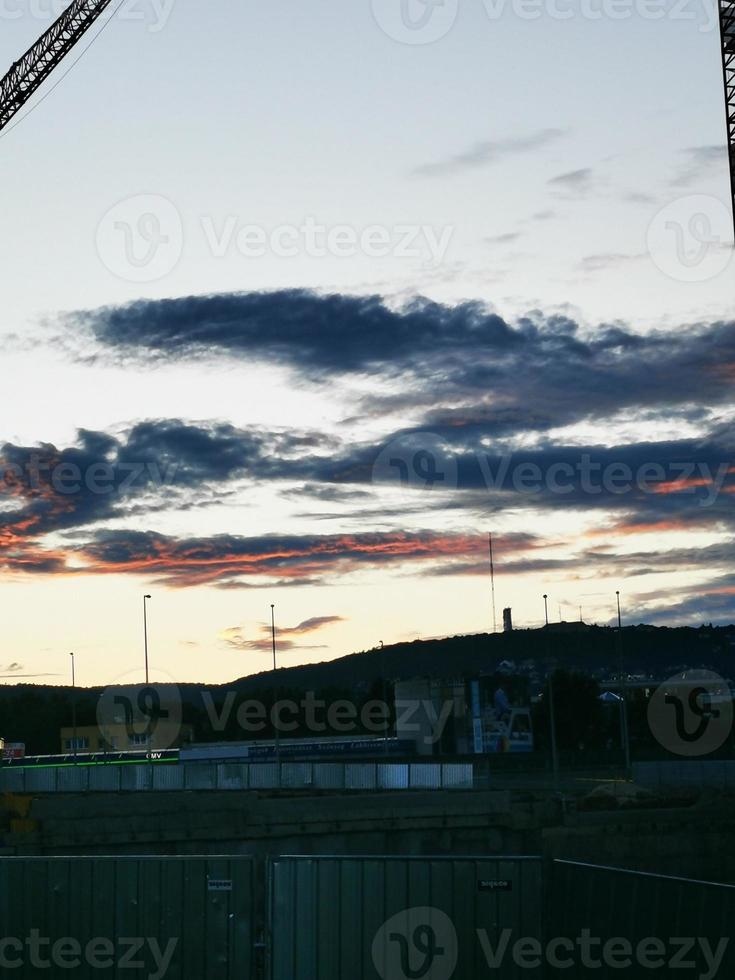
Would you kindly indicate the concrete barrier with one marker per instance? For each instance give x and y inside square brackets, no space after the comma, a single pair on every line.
[694,773]
[162,777]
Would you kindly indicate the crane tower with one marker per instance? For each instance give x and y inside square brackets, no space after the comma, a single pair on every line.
[727,34]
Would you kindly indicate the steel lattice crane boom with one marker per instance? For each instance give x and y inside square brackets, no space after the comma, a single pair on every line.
[727,32]
[26,75]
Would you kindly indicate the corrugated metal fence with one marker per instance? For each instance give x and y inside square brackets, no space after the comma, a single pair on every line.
[689,772]
[356,918]
[639,909]
[179,918]
[238,776]
[334,918]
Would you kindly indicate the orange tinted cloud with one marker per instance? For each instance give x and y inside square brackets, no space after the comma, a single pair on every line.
[209,561]
[677,486]
[644,527]
[690,483]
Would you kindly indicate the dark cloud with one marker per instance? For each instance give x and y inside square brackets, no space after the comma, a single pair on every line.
[650,482]
[466,463]
[709,602]
[637,197]
[604,562]
[507,239]
[574,183]
[488,152]
[699,161]
[198,453]
[608,260]
[310,625]
[158,465]
[236,638]
[326,494]
[312,333]
[464,356]
[45,489]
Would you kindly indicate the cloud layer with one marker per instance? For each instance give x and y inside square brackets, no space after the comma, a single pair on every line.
[629,431]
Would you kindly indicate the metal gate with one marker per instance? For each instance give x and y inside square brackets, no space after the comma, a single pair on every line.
[177,918]
[392,918]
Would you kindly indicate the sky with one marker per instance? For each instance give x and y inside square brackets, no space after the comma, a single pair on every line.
[303,300]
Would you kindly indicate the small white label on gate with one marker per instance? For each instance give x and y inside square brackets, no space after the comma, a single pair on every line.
[219,885]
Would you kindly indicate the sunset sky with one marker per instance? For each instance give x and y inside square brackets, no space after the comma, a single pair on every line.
[296,312]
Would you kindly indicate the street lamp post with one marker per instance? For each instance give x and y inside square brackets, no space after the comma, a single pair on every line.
[624,690]
[145,647]
[552,713]
[386,730]
[275,696]
[145,637]
[73,707]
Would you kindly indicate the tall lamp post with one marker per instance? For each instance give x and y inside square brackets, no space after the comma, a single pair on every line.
[145,647]
[145,637]
[275,695]
[624,691]
[386,730]
[552,713]
[73,707]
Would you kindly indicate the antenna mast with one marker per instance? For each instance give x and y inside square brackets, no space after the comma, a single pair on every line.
[492,583]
